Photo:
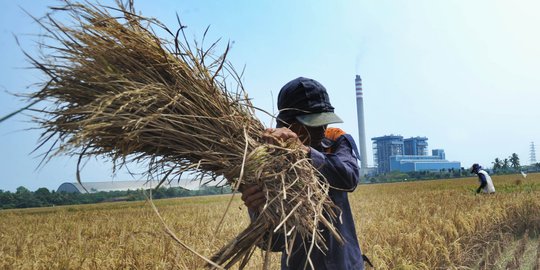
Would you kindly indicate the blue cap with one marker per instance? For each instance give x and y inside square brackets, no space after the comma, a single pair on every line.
[475,168]
[306,101]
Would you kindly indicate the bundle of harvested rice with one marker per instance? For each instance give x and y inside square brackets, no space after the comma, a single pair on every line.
[115,89]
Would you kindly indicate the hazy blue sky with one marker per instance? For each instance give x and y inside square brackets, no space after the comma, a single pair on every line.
[462,73]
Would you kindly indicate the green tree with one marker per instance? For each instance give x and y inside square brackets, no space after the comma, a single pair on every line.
[42,192]
[22,190]
[25,198]
[7,200]
[160,193]
[505,164]
[497,164]
[56,198]
[514,161]
[43,195]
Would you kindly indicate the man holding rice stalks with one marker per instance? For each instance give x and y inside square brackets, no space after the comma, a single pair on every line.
[304,113]
[115,89]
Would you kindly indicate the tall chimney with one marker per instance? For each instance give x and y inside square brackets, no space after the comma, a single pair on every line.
[361,125]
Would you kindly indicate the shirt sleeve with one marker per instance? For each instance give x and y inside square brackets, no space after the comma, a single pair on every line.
[482,179]
[339,168]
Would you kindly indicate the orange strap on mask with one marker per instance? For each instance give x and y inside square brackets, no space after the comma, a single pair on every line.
[333,133]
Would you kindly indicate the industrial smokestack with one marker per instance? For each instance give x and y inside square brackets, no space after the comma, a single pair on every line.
[361,125]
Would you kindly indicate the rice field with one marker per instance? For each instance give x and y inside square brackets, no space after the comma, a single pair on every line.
[438,224]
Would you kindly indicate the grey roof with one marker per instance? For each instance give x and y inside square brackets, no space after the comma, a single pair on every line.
[93,187]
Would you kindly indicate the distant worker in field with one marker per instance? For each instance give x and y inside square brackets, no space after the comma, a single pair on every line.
[486,184]
[304,113]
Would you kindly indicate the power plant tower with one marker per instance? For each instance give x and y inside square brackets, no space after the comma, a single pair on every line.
[361,125]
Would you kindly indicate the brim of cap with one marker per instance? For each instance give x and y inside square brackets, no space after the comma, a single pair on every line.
[318,119]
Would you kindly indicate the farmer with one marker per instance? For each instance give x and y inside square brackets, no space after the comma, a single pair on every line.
[304,113]
[486,185]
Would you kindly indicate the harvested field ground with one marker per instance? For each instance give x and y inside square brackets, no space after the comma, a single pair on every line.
[438,224]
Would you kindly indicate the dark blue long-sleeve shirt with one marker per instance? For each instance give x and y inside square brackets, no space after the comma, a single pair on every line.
[340,170]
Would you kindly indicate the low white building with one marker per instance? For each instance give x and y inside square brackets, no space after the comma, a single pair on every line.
[93,187]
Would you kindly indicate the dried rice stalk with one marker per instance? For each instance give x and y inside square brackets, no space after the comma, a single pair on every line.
[117,90]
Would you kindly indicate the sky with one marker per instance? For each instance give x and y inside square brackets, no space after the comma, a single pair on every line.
[462,73]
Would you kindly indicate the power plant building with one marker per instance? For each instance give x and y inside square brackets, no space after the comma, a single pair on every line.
[411,163]
[415,146]
[383,148]
[393,153]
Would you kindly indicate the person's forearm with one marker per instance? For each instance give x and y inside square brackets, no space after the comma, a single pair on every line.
[483,184]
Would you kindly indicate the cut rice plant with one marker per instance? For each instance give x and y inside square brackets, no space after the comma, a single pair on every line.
[115,89]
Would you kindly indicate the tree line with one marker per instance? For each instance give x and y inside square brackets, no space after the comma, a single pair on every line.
[42,197]
[512,164]
[397,176]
